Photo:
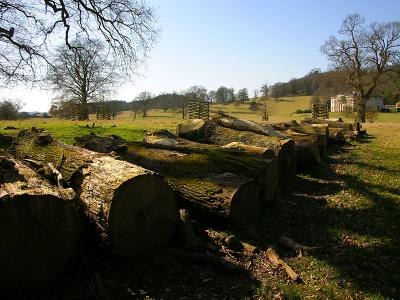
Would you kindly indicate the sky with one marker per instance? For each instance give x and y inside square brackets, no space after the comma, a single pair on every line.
[235,43]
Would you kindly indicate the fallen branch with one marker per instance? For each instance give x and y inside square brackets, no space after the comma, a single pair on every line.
[273,257]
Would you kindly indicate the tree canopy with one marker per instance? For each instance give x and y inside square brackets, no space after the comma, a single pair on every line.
[29,31]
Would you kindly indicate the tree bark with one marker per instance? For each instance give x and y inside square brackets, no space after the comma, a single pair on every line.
[210,132]
[132,209]
[207,180]
[40,227]
[361,109]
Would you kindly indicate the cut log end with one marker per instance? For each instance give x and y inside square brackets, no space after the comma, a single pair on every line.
[143,216]
[245,205]
[39,229]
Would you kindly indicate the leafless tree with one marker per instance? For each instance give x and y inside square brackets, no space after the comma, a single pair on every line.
[30,29]
[264,91]
[196,93]
[365,53]
[144,100]
[82,74]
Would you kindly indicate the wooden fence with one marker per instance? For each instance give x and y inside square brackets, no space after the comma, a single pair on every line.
[199,110]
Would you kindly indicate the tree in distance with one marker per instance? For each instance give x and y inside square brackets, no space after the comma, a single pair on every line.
[365,53]
[196,93]
[243,95]
[28,30]
[264,91]
[82,74]
[144,101]
[9,109]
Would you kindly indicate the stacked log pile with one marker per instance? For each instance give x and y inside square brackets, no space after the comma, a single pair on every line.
[211,182]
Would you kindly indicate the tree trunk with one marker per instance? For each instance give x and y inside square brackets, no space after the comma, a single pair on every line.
[210,132]
[40,228]
[207,180]
[132,208]
[361,109]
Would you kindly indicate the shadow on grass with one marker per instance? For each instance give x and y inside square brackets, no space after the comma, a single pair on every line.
[359,239]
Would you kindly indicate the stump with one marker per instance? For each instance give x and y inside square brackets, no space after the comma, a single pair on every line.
[132,209]
[40,227]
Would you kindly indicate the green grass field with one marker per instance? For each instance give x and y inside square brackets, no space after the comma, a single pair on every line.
[350,206]
[133,130]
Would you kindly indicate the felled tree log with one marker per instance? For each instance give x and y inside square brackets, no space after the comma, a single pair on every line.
[246,125]
[210,184]
[331,124]
[268,182]
[164,138]
[210,132]
[40,227]
[132,208]
[307,152]
[266,172]
[320,131]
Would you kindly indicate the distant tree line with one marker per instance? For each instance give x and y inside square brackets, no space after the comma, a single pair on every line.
[327,84]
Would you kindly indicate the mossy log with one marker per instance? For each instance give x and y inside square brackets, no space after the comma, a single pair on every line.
[164,138]
[246,125]
[210,132]
[331,124]
[132,208]
[211,183]
[265,157]
[40,227]
[320,131]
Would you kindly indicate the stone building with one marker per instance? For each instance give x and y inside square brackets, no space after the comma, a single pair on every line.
[339,103]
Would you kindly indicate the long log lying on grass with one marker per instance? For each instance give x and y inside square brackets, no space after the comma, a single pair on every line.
[166,139]
[269,181]
[331,124]
[210,132]
[320,131]
[246,125]
[211,183]
[40,228]
[132,208]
